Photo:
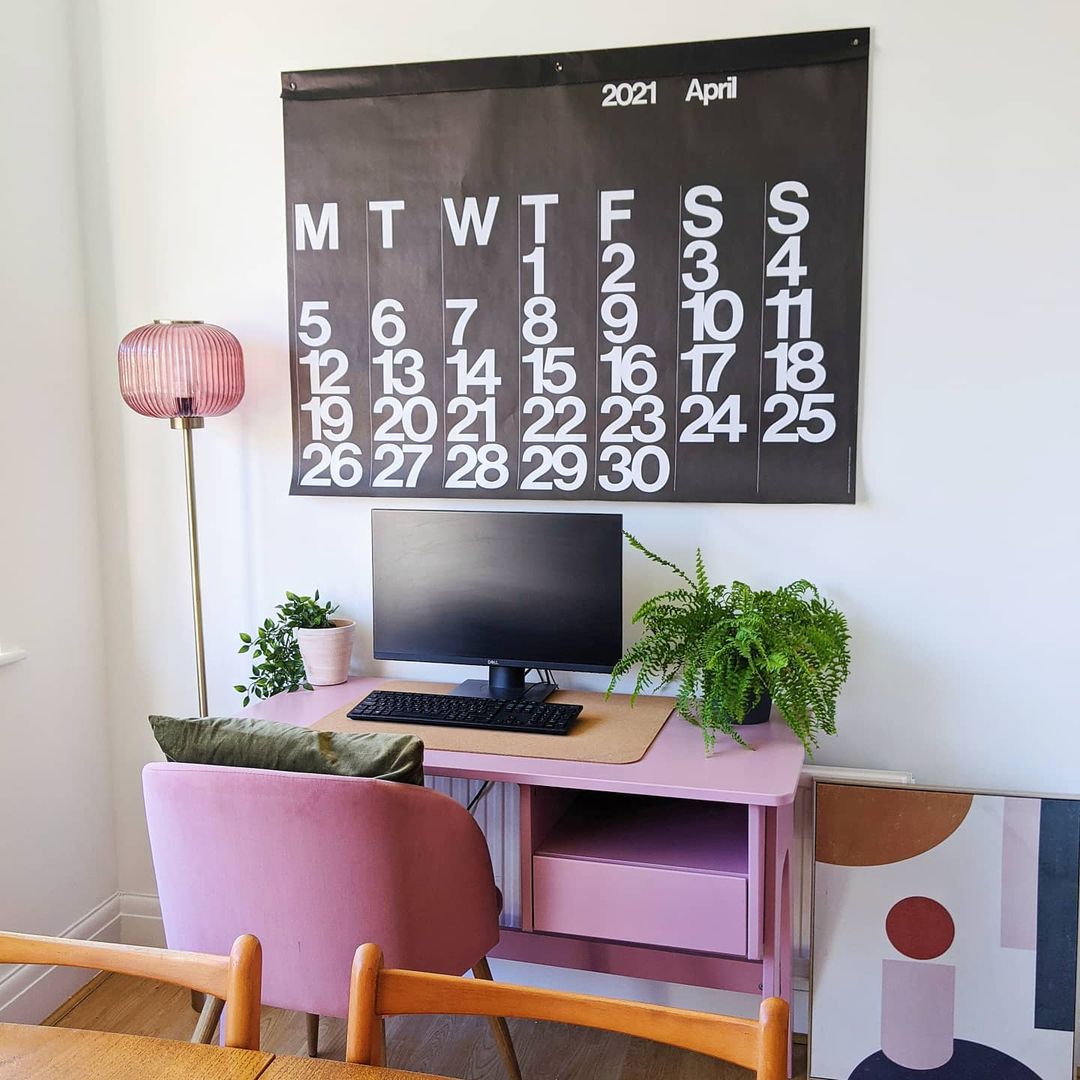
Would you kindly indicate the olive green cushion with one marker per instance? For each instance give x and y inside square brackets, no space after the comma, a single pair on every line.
[261,744]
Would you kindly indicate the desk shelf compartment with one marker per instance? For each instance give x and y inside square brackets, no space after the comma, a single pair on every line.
[665,872]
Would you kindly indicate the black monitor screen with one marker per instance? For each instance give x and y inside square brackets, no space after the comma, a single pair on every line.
[521,589]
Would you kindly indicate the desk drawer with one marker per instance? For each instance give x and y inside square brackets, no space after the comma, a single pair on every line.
[653,905]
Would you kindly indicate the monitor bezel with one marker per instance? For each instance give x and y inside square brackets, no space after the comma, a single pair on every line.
[484,662]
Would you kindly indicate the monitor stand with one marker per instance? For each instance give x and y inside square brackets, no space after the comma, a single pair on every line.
[504,683]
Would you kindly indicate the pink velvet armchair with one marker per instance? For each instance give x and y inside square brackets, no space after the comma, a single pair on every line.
[314,866]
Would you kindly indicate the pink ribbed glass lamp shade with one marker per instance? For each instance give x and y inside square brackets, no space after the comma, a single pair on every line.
[170,369]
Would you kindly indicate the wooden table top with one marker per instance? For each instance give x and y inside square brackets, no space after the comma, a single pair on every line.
[51,1053]
[295,1068]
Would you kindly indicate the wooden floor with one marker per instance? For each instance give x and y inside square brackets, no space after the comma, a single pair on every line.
[457,1047]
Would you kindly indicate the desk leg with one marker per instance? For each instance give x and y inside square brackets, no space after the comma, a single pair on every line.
[776,961]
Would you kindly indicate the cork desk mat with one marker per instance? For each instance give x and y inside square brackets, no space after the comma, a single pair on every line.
[609,731]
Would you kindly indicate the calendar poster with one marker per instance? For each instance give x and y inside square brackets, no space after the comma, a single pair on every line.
[631,274]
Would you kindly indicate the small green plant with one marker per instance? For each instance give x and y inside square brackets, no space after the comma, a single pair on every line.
[278,666]
[729,645]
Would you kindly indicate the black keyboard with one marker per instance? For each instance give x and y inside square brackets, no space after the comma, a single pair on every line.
[539,717]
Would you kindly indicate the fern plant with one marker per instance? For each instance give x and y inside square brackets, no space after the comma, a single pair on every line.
[727,646]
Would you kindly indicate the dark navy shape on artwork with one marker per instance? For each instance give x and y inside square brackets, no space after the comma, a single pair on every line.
[970,1061]
[1055,939]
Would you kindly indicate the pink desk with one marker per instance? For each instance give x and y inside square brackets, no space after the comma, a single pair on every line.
[675,867]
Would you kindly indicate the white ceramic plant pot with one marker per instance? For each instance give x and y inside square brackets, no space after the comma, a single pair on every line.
[326,652]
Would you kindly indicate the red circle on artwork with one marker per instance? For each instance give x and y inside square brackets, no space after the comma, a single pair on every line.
[919,927]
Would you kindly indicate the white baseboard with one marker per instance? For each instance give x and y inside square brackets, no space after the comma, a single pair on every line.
[28,993]
[140,920]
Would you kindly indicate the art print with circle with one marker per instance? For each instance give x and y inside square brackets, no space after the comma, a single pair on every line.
[944,935]
[612,275]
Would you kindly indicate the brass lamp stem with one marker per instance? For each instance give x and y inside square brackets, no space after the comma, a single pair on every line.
[187,424]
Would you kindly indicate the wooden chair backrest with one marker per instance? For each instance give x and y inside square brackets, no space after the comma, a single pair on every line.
[376,992]
[235,979]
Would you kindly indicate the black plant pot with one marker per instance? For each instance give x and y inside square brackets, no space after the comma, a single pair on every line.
[759,714]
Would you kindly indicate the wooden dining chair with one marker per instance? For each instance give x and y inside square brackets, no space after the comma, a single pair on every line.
[235,979]
[377,992]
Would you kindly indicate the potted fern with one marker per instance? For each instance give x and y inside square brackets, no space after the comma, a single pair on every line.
[736,651]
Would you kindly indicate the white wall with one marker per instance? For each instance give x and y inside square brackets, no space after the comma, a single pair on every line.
[957,567]
[57,845]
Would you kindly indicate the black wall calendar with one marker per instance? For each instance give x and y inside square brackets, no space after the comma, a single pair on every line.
[626,274]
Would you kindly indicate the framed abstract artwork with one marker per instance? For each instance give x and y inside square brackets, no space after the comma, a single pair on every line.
[944,934]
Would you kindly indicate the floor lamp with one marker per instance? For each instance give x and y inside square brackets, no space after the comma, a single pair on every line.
[184,371]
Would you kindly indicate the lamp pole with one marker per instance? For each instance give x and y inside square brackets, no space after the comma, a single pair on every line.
[187,424]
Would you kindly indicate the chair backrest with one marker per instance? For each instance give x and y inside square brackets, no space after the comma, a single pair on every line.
[235,978]
[376,992]
[314,866]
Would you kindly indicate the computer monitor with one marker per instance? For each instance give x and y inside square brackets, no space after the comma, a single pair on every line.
[511,591]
